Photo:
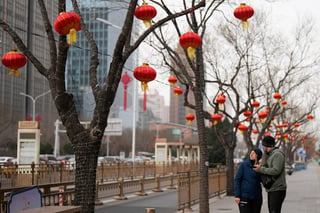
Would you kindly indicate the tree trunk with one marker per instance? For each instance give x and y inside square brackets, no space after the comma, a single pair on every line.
[230,171]
[85,179]
[203,142]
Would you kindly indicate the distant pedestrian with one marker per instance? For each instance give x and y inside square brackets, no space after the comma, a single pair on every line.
[247,187]
[274,166]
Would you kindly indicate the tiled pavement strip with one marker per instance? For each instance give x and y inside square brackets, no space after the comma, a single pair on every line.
[303,195]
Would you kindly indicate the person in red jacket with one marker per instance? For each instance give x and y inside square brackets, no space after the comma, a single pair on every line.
[247,187]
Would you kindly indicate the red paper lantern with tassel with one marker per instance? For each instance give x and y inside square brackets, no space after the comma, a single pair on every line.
[216,118]
[172,80]
[221,99]
[243,12]
[144,74]
[125,79]
[255,104]
[243,128]
[277,97]
[68,23]
[190,41]
[190,117]
[177,91]
[14,60]
[145,13]
[284,103]
[310,117]
[262,116]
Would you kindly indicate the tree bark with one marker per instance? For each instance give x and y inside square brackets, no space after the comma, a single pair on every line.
[85,181]
[230,171]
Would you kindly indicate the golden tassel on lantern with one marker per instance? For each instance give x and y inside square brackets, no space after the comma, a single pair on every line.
[14,72]
[191,52]
[147,23]
[72,36]
[144,86]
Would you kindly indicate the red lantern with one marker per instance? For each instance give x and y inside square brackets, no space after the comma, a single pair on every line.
[255,104]
[296,125]
[284,103]
[286,137]
[125,79]
[68,23]
[267,134]
[216,118]
[38,118]
[177,91]
[190,41]
[145,13]
[310,117]
[243,12]
[14,60]
[29,118]
[144,74]
[262,116]
[277,97]
[172,80]
[254,131]
[190,117]
[220,100]
[242,128]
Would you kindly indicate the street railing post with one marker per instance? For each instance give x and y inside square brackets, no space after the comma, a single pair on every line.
[141,192]
[120,196]
[157,189]
[171,186]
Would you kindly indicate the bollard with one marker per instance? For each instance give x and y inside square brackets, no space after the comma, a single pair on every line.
[120,196]
[61,190]
[150,210]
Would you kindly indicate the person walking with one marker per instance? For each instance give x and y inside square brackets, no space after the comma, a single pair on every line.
[247,187]
[275,166]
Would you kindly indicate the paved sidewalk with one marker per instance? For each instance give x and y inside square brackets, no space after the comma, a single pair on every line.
[303,195]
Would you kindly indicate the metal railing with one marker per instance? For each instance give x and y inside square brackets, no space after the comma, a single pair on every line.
[136,179]
[36,174]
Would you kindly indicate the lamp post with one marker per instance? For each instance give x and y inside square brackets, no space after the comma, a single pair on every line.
[134,98]
[34,101]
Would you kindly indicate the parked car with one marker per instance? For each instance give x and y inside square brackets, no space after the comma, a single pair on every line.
[8,165]
[49,159]
[6,160]
[65,158]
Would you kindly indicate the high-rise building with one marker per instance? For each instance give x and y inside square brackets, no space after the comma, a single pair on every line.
[156,111]
[25,18]
[103,19]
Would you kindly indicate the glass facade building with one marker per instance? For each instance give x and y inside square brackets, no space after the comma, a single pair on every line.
[105,36]
[25,18]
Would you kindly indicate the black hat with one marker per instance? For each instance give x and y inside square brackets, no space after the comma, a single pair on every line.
[258,153]
[268,141]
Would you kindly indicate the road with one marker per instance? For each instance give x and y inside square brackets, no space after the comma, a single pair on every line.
[163,202]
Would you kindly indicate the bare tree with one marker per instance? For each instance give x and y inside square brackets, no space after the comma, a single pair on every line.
[259,65]
[87,142]
[243,65]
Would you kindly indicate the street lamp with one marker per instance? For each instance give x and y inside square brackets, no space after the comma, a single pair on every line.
[34,101]
[134,99]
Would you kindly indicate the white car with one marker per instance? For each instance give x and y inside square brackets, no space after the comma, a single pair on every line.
[6,160]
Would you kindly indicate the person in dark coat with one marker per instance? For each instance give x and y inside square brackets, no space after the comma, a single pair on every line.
[247,185]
